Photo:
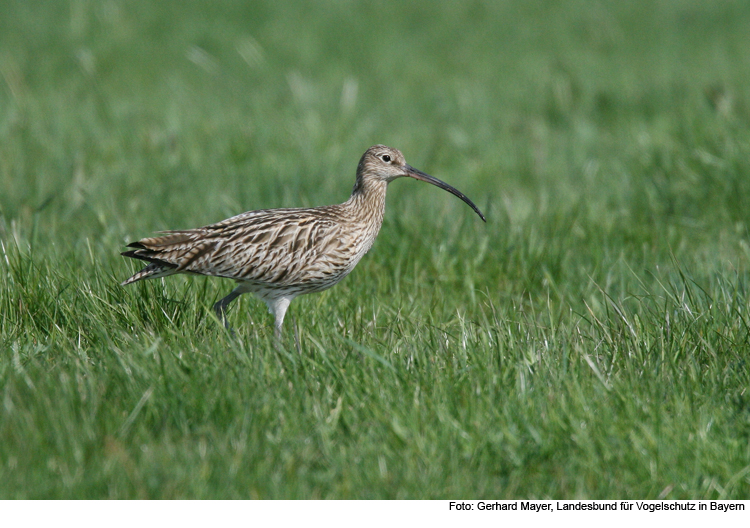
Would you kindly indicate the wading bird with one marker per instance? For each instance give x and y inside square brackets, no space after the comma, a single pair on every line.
[278,254]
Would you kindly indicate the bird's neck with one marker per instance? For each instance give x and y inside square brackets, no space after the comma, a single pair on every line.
[367,201]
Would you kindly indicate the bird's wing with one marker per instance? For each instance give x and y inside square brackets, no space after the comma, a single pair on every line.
[274,246]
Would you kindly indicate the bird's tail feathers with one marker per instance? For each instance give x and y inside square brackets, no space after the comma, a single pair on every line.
[152,271]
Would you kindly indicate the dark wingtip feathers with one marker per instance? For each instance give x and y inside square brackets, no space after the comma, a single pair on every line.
[156,267]
[137,244]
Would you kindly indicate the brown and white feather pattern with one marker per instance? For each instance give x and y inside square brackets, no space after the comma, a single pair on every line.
[290,250]
[281,253]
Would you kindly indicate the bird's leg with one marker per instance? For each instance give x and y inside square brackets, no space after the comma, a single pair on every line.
[296,335]
[278,308]
[221,306]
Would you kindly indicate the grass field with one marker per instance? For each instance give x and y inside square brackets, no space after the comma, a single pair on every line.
[592,340]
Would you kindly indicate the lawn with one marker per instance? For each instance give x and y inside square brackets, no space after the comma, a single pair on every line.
[591,340]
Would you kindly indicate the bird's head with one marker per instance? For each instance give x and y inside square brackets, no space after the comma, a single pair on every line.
[385,164]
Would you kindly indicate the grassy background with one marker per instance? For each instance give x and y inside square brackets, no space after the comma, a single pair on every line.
[591,340]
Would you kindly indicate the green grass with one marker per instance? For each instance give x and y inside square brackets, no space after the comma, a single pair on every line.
[590,341]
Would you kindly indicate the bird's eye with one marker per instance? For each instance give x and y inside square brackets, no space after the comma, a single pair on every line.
[386,158]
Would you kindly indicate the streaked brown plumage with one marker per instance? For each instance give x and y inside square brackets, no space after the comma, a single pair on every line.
[279,254]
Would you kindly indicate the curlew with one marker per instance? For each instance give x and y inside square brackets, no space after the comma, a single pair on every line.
[278,254]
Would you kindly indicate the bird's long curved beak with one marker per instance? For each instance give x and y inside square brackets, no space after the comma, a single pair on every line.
[419,175]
